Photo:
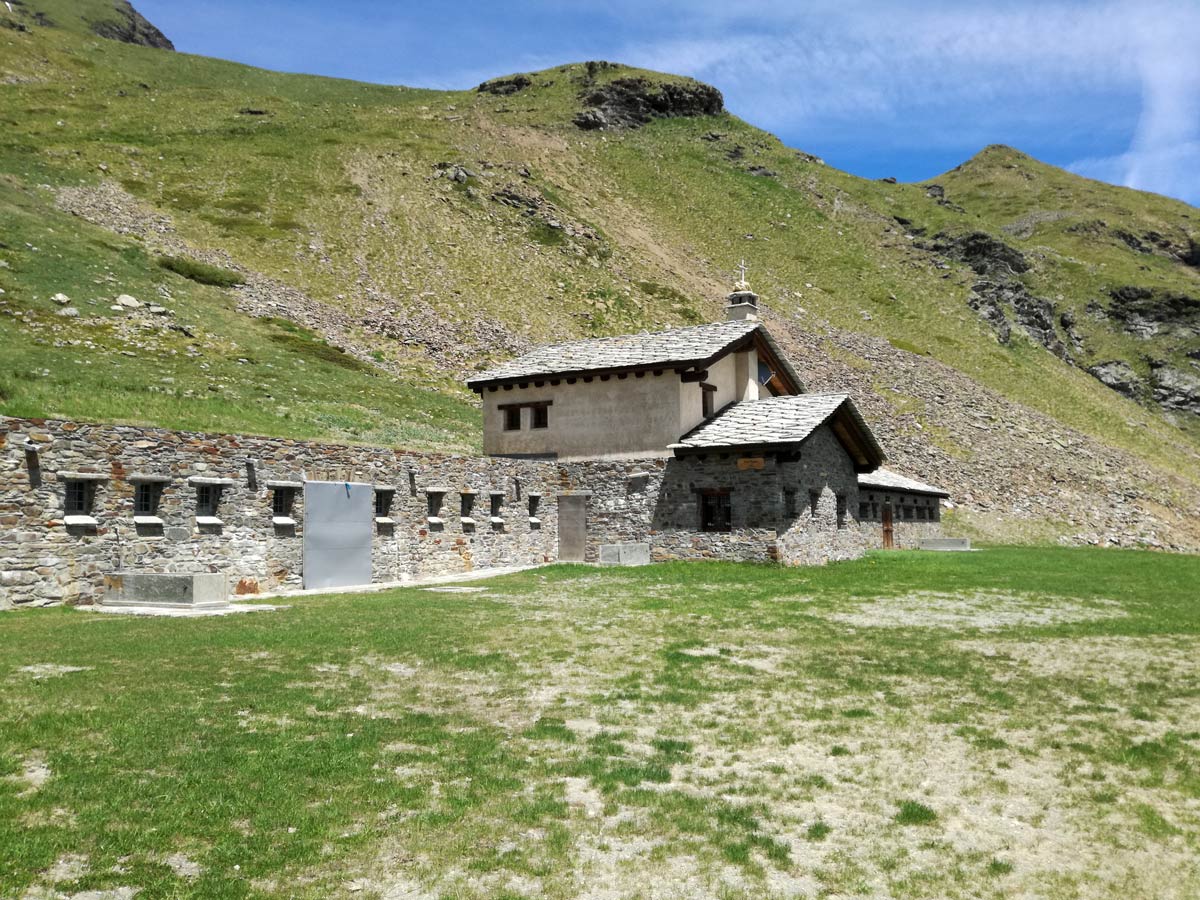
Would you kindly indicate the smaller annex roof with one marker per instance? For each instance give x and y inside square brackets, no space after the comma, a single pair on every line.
[786,421]
[695,346]
[886,479]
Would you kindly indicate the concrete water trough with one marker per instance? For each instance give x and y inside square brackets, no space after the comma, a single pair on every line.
[946,545]
[168,591]
[625,554]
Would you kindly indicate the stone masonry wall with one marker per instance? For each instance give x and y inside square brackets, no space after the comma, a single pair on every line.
[657,501]
[43,560]
[915,517]
[783,508]
[817,533]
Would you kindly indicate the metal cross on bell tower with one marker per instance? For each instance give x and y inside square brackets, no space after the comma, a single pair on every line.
[741,282]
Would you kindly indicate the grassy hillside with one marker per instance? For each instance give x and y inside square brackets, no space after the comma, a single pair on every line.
[430,233]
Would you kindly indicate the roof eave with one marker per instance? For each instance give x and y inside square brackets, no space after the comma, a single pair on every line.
[929,492]
[478,385]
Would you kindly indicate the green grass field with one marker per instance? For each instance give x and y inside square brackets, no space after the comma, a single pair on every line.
[1009,722]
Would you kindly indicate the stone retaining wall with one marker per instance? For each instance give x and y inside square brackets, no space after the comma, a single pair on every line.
[44,560]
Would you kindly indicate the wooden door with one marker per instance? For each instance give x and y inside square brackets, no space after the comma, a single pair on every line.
[572,527]
[888,532]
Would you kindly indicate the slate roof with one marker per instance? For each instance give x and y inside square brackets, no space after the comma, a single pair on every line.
[885,479]
[677,346]
[774,420]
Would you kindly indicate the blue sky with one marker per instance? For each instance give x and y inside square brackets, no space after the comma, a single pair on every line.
[877,87]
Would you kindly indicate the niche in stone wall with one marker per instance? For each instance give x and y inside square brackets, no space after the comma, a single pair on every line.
[466,513]
[147,499]
[535,501]
[497,511]
[434,497]
[385,494]
[283,506]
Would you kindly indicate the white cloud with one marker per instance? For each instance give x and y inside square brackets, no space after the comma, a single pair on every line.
[961,70]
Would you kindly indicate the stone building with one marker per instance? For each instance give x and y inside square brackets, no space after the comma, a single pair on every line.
[901,511]
[632,395]
[693,443]
[752,465]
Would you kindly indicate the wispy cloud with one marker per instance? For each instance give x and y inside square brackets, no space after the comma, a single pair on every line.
[954,73]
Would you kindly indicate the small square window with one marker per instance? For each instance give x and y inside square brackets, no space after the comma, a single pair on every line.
[434,503]
[908,512]
[715,511]
[466,506]
[146,498]
[208,498]
[540,416]
[864,510]
[512,418]
[708,400]
[534,501]
[383,503]
[283,499]
[497,505]
[80,497]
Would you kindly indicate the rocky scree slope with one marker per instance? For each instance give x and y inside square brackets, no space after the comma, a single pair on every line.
[425,235]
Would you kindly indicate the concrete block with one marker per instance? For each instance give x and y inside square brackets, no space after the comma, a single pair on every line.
[193,591]
[632,554]
[946,544]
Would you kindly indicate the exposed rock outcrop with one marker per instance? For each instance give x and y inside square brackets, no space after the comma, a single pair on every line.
[130,27]
[1120,377]
[999,291]
[633,102]
[1175,389]
[503,87]
[983,253]
[1148,313]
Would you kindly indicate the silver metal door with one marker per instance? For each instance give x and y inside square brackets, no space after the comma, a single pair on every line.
[338,529]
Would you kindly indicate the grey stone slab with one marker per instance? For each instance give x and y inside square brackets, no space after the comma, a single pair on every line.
[946,544]
[197,590]
[629,554]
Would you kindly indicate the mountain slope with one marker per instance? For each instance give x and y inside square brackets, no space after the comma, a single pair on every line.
[428,234]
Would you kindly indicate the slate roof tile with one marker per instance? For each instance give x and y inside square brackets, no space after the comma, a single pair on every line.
[774,420]
[886,479]
[674,346]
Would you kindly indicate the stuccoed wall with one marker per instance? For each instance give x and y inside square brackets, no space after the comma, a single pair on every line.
[634,416]
[42,561]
